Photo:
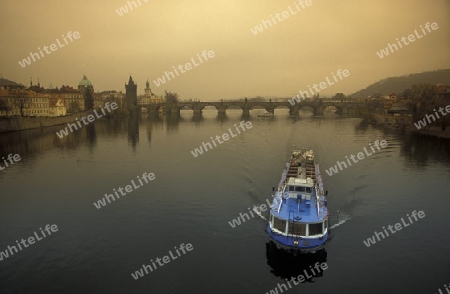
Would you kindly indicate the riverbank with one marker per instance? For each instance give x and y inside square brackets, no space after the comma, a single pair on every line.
[405,123]
[12,124]
[431,131]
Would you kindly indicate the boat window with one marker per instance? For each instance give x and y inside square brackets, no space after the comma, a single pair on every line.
[291,188]
[279,224]
[308,189]
[315,229]
[297,228]
[300,189]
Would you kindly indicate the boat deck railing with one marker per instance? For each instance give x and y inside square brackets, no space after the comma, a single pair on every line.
[319,179]
[312,170]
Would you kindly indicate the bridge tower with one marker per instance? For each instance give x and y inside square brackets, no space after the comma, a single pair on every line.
[131,94]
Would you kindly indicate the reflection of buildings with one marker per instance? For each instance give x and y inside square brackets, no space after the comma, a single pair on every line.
[421,151]
[133,131]
[34,143]
[286,265]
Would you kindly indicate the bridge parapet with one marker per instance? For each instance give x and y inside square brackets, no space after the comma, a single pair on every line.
[318,107]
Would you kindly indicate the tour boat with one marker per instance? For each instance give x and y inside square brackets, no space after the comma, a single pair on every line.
[298,215]
[266,114]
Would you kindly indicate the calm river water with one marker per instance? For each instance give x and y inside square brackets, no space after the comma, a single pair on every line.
[193,199]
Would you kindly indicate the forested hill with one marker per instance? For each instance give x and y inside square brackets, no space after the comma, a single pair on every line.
[398,84]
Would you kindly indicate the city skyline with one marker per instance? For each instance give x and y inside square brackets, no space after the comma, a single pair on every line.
[287,56]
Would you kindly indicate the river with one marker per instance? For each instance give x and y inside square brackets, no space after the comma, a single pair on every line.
[193,199]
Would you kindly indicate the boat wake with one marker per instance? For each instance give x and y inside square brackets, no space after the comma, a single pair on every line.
[258,212]
[342,219]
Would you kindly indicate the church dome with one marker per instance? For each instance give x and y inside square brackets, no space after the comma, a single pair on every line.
[85,82]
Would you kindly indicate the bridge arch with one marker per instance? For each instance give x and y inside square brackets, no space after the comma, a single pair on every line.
[186,111]
[257,106]
[353,109]
[234,108]
[187,107]
[305,108]
[211,109]
[281,109]
[204,106]
[332,109]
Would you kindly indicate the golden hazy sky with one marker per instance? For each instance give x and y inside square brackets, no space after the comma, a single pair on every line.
[302,49]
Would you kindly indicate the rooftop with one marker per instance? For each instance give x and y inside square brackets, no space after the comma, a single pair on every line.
[6,82]
[85,82]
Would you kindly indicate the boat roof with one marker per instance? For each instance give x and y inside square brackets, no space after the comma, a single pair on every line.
[309,211]
[301,170]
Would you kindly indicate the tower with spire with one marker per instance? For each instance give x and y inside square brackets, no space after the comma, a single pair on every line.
[131,94]
[148,91]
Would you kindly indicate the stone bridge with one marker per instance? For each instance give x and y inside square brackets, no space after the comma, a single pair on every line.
[318,107]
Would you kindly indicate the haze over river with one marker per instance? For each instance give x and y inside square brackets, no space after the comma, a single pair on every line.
[193,199]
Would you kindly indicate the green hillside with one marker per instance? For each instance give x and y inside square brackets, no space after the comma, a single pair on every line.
[398,84]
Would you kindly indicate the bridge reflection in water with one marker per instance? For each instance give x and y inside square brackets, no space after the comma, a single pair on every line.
[318,107]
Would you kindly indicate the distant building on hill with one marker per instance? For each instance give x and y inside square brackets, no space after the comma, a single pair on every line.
[443,92]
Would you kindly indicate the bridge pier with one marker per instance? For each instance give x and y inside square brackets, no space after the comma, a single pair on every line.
[174,111]
[221,110]
[344,110]
[319,110]
[293,111]
[197,116]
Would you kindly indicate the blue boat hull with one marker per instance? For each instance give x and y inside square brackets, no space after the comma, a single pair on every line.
[304,245]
